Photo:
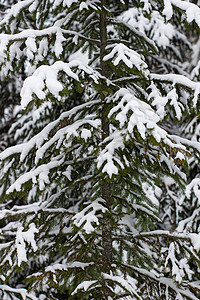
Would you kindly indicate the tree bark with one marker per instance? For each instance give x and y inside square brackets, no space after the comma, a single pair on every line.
[106,186]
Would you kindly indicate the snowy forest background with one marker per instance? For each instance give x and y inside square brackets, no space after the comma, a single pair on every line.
[100,151]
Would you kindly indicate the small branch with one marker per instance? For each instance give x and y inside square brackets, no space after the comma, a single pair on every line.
[162,233]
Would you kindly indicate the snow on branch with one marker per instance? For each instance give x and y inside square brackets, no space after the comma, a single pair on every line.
[53,271]
[128,284]
[186,224]
[108,158]
[87,216]
[36,33]
[43,142]
[180,80]
[15,10]
[123,284]
[132,114]
[168,282]
[45,77]
[33,5]
[33,33]
[29,209]
[191,10]
[163,233]
[160,101]
[131,58]
[190,144]
[44,134]
[193,238]
[23,293]
[22,237]
[180,268]
[160,32]
[36,44]
[146,211]
[194,186]
[136,32]
[83,4]
[143,117]
[41,172]
[72,130]
[58,267]
[85,285]
[67,3]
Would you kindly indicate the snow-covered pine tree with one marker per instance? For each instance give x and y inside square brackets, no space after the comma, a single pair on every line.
[17,128]
[187,204]
[180,208]
[89,177]
[10,96]
[170,60]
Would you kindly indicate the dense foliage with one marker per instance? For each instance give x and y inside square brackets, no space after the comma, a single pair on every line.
[102,151]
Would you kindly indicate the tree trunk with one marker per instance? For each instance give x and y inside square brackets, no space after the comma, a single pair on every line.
[106,186]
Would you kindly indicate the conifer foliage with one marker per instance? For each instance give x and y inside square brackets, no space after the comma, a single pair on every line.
[87,183]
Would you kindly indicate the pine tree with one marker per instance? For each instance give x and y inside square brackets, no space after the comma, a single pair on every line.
[180,208]
[89,179]
[188,203]
[10,97]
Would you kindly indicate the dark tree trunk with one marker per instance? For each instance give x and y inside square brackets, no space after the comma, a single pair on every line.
[106,186]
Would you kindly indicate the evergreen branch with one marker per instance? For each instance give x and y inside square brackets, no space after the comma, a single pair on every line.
[22,292]
[192,10]
[179,80]
[31,209]
[136,33]
[15,9]
[117,41]
[5,245]
[127,79]
[34,173]
[192,285]
[176,79]
[189,250]
[191,144]
[161,280]
[170,65]
[163,233]
[47,32]
[138,207]
[4,5]
[81,36]
[27,147]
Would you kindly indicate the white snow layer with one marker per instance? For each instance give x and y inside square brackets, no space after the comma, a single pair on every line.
[45,77]
[22,237]
[88,216]
[131,113]
[131,58]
